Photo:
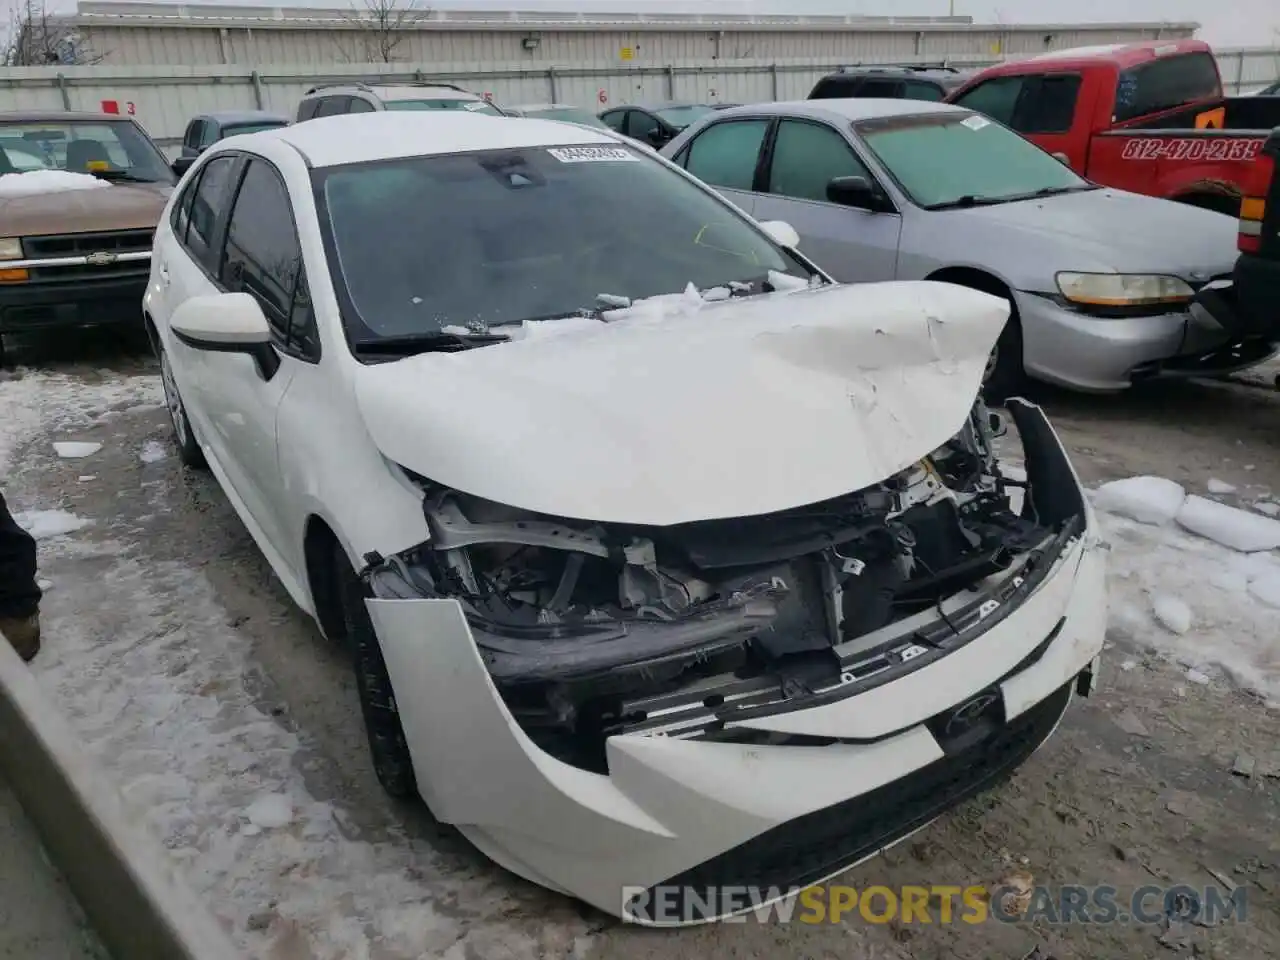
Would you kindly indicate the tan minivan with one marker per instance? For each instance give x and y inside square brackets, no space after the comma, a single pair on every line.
[80,196]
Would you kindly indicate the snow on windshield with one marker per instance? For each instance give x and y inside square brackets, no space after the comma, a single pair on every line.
[35,182]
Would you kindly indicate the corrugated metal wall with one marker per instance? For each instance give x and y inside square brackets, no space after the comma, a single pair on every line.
[165,98]
[255,46]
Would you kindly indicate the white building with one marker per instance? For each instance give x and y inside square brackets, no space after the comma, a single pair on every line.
[137,34]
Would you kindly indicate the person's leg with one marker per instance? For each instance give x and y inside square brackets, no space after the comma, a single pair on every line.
[19,593]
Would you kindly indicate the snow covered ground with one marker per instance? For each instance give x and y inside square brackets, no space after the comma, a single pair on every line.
[156,686]
[162,682]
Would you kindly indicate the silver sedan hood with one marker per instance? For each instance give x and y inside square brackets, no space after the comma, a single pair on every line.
[693,412]
[1127,232]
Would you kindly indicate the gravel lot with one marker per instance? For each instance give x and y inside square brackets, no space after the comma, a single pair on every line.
[179,658]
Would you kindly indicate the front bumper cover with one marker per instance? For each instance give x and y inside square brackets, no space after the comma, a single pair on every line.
[702,813]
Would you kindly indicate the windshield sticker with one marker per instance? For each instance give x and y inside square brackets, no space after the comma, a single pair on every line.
[975,122]
[591,154]
[1191,148]
[475,105]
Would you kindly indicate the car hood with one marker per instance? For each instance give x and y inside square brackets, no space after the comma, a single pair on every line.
[693,412]
[131,206]
[1125,232]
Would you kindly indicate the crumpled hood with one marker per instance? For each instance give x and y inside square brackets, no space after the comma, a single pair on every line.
[725,409]
[1122,231]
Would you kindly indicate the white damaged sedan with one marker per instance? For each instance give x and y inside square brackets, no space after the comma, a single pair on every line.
[673,574]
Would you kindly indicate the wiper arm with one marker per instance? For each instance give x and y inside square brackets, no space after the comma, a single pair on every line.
[121,175]
[436,341]
[969,200]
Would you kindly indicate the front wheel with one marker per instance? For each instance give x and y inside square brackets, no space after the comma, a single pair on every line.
[1005,375]
[184,439]
[387,744]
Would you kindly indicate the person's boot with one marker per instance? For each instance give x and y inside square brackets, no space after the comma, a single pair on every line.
[23,634]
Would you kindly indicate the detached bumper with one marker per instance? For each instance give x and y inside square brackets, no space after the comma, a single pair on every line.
[691,824]
[1107,355]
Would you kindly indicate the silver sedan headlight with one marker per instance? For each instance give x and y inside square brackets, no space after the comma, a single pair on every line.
[1123,289]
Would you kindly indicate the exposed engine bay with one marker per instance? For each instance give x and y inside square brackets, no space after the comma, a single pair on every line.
[589,631]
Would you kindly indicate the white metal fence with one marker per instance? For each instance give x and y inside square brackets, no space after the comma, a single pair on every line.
[163,99]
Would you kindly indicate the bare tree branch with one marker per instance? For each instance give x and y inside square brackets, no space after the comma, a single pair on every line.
[34,39]
[378,28]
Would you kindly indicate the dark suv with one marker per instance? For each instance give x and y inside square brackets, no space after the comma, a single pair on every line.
[891,82]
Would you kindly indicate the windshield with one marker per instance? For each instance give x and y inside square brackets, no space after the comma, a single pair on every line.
[499,237]
[942,159]
[475,106]
[113,149]
[236,130]
[681,117]
[568,115]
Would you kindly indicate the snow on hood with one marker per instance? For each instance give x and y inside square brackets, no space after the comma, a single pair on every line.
[733,408]
[36,182]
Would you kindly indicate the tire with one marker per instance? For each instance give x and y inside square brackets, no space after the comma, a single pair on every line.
[1005,375]
[387,744]
[184,439]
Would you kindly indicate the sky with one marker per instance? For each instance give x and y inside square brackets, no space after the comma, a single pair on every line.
[1228,23]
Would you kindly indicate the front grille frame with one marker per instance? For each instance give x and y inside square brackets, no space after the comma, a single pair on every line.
[822,844]
[67,246]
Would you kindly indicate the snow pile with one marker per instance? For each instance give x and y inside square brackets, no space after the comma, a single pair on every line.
[153,451]
[269,812]
[1229,526]
[75,449]
[36,182]
[1192,595]
[1220,486]
[1145,499]
[47,524]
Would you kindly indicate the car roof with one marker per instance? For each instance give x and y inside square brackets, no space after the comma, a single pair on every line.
[386,135]
[241,116]
[844,109]
[59,116]
[941,74]
[549,106]
[394,92]
[1119,55]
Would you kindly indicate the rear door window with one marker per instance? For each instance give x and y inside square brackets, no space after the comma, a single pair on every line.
[1166,84]
[921,90]
[208,203]
[640,125]
[726,154]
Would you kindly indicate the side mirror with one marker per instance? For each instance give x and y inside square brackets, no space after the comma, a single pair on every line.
[181,165]
[781,233]
[1062,158]
[227,323]
[855,192]
[656,137]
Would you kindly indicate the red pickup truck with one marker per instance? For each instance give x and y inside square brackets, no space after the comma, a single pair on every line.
[1145,117]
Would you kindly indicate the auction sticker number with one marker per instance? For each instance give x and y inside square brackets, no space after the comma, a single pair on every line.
[591,154]
[1154,148]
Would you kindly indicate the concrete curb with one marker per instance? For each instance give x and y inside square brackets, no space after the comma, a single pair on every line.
[137,904]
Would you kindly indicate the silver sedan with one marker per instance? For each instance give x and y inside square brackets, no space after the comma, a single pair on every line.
[1104,284]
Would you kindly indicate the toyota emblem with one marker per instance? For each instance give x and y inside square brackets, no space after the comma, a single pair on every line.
[967,714]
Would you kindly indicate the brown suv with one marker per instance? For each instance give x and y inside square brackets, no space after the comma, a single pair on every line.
[74,251]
